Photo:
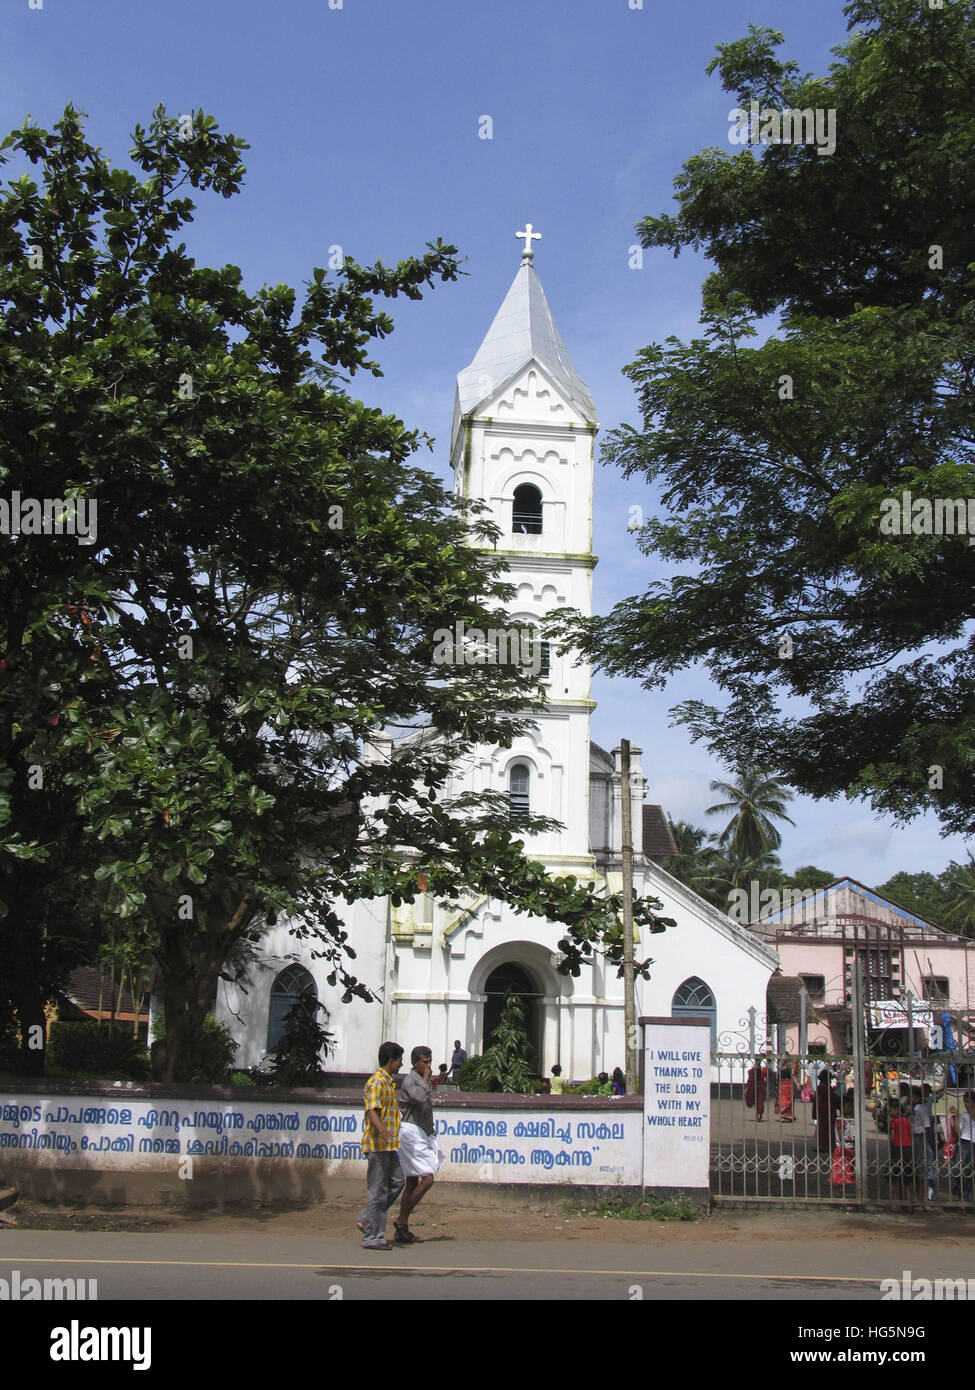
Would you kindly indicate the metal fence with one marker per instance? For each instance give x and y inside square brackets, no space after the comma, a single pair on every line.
[843,1130]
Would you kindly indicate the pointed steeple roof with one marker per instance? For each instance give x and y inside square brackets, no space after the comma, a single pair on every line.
[523,331]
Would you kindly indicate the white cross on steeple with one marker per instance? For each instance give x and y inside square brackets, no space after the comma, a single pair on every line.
[530,236]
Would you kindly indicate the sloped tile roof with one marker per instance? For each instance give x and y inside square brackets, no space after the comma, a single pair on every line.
[658,842]
[82,989]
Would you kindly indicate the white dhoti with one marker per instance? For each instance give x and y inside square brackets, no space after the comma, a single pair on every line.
[419,1156]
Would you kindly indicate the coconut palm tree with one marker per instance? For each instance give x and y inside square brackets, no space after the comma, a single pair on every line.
[754,801]
[730,870]
[959,915]
[695,862]
[688,863]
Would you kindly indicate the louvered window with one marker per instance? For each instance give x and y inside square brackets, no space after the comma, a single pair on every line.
[519,787]
[527,510]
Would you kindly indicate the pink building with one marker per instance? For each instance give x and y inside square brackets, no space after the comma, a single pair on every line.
[819,936]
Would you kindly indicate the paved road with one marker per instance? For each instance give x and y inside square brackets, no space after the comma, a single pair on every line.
[174,1265]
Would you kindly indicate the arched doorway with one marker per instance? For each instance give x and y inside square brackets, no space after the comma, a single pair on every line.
[516,979]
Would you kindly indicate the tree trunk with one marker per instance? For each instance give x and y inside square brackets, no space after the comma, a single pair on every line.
[189,988]
[187,1001]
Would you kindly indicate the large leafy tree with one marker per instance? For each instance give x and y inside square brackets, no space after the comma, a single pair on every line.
[203,682]
[807,876]
[946,899]
[844,653]
[924,893]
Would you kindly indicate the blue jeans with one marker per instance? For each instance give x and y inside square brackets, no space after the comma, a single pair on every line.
[384,1183]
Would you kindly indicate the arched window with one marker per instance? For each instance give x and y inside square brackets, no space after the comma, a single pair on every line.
[527,510]
[539,655]
[519,787]
[693,999]
[293,982]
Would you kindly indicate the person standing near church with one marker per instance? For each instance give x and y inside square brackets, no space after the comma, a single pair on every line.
[963,1184]
[380,1145]
[458,1059]
[418,1153]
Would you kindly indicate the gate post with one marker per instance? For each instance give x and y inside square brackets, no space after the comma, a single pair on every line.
[677,1106]
[859,1077]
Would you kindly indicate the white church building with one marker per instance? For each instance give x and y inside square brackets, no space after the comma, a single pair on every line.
[522,440]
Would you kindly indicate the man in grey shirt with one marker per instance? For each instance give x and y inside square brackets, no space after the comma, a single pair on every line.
[419,1156]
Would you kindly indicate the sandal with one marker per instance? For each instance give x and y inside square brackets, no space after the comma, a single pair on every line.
[404,1236]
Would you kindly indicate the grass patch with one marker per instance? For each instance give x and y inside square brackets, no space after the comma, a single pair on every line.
[679,1208]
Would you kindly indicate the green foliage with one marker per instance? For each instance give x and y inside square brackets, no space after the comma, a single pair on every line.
[651,1208]
[744,851]
[205,682]
[694,864]
[923,893]
[842,652]
[215,1055]
[808,876]
[214,1050]
[297,1059]
[470,1077]
[508,1061]
[755,802]
[585,1088]
[97,1049]
[946,899]
[959,913]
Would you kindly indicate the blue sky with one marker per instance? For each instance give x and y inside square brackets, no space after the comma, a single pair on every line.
[363,124]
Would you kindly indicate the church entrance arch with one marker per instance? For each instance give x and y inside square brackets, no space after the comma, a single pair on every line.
[516,979]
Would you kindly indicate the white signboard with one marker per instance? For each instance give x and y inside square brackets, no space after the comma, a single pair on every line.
[892,1013]
[585,1146]
[598,1147]
[141,1135]
[677,1104]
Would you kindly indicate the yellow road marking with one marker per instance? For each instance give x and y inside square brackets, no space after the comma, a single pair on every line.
[454,1269]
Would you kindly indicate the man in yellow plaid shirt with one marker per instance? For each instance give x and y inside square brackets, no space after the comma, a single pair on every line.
[380,1144]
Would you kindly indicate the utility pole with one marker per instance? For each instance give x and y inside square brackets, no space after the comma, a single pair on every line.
[629,1005]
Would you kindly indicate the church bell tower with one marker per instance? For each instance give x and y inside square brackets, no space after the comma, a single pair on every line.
[522,442]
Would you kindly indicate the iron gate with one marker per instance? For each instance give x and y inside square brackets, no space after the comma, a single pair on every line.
[843,1129]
